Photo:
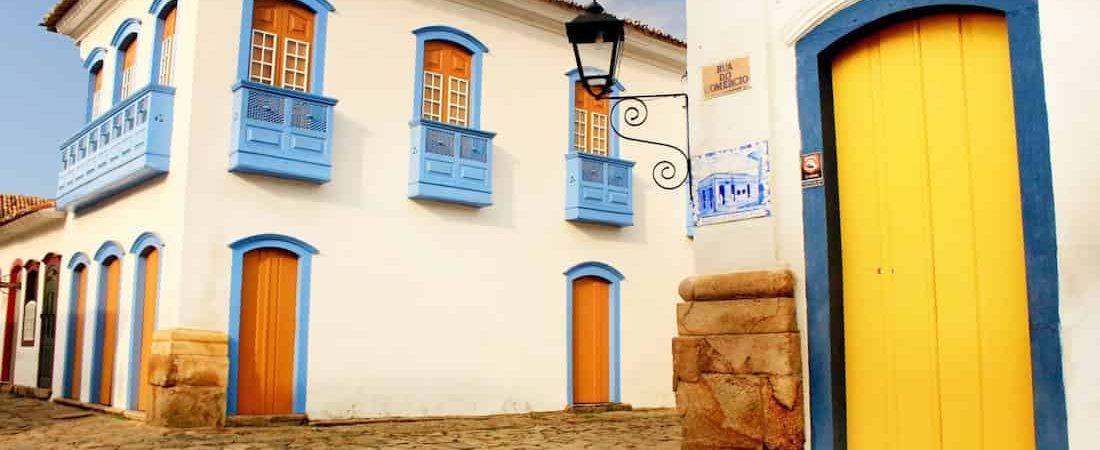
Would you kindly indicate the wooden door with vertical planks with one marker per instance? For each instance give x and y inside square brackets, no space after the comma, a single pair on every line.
[591,354]
[148,323]
[109,335]
[269,291]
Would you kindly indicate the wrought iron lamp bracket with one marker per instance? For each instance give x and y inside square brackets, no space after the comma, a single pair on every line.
[666,174]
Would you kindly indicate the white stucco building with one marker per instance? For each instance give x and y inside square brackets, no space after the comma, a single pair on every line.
[391,207]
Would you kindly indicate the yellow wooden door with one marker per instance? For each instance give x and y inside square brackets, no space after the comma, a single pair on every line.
[935,301]
[78,333]
[110,331]
[591,361]
[148,323]
[265,375]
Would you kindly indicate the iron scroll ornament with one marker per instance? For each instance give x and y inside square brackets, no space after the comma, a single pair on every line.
[665,172]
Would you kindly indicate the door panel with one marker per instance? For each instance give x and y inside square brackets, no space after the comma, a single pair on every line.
[7,366]
[46,341]
[935,301]
[77,362]
[148,323]
[591,355]
[109,340]
[265,375]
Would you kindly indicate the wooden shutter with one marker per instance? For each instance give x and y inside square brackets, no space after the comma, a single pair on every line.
[594,129]
[167,47]
[292,26]
[454,64]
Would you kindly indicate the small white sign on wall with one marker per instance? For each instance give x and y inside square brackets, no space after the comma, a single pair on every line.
[732,184]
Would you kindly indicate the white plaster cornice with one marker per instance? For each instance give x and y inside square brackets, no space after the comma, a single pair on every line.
[84,16]
[31,223]
[811,16]
[551,18]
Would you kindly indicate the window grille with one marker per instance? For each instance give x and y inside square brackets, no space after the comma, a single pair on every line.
[433,96]
[262,67]
[127,81]
[580,130]
[599,134]
[458,102]
[166,48]
[296,65]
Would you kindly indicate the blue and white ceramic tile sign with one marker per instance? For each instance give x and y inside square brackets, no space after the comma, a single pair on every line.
[732,184]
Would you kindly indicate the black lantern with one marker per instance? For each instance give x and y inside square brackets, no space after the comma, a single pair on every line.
[597,39]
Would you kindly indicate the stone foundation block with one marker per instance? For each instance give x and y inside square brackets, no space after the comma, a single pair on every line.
[738,285]
[749,354]
[722,412]
[189,371]
[783,419]
[187,407]
[769,315]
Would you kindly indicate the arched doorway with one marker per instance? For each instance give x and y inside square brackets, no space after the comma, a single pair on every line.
[913,111]
[269,325]
[7,366]
[78,300]
[104,355]
[592,330]
[147,248]
[48,327]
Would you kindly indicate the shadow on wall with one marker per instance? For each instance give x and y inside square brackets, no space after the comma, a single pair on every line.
[349,149]
[500,214]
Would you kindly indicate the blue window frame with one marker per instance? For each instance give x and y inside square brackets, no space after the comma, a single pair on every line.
[125,36]
[160,10]
[613,276]
[305,253]
[613,138]
[94,65]
[451,163]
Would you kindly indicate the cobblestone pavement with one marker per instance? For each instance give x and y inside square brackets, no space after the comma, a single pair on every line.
[35,424]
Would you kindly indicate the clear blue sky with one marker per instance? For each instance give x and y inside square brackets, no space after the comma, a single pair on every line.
[43,100]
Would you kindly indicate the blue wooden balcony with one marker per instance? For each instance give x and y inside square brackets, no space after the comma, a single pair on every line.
[281,133]
[451,164]
[599,190]
[120,149]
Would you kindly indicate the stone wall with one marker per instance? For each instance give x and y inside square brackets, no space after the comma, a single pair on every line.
[737,362]
[189,371]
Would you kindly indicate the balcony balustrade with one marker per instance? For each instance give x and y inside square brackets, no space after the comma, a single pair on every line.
[599,190]
[451,164]
[281,133]
[118,150]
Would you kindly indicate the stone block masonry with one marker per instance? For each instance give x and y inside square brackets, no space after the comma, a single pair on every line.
[189,371]
[737,364]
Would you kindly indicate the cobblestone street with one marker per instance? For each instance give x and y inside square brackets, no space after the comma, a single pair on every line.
[35,424]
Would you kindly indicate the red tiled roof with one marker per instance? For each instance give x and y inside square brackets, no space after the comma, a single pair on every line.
[62,7]
[638,25]
[13,206]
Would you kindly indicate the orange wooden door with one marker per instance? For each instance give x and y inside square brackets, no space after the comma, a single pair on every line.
[265,374]
[110,331]
[591,359]
[148,321]
[129,59]
[78,333]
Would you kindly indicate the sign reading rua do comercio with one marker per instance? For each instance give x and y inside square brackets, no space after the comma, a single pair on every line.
[726,77]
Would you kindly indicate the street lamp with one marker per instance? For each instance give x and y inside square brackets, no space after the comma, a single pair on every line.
[597,39]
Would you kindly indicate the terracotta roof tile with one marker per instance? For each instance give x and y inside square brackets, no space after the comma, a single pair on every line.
[13,206]
[54,15]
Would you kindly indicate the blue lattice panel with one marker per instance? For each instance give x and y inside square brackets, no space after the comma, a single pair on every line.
[118,150]
[599,190]
[281,133]
[451,164]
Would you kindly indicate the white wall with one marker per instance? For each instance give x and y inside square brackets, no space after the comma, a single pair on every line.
[765,31]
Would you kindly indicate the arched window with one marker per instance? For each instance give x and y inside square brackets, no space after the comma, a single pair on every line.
[125,43]
[164,50]
[591,119]
[30,305]
[282,41]
[449,76]
[94,65]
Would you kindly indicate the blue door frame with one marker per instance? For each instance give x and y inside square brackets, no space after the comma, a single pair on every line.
[821,218]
